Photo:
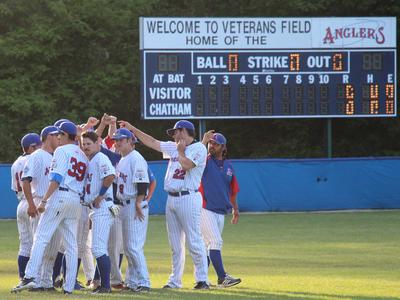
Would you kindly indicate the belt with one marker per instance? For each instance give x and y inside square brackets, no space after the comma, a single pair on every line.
[67,190]
[106,199]
[181,193]
[127,202]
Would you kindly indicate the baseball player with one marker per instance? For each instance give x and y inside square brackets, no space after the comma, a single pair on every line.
[35,183]
[132,182]
[29,143]
[57,280]
[187,160]
[99,196]
[67,174]
[149,194]
[219,189]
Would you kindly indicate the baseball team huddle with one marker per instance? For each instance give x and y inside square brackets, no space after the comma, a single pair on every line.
[85,200]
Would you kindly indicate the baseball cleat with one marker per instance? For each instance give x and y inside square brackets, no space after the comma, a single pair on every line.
[118,286]
[25,284]
[141,289]
[78,286]
[94,284]
[43,289]
[102,290]
[37,289]
[58,283]
[201,285]
[228,281]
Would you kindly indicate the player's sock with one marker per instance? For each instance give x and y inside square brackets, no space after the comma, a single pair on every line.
[104,265]
[216,259]
[96,273]
[64,267]
[57,265]
[22,262]
[121,256]
[77,269]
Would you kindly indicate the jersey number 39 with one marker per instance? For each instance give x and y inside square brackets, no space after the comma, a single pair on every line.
[77,170]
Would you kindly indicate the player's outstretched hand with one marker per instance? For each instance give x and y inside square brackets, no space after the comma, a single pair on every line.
[105,119]
[208,136]
[41,207]
[92,121]
[235,216]
[125,124]
[113,120]
[32,211]
[139,213]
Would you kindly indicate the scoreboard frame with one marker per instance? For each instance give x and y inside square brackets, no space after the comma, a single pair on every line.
[152,93]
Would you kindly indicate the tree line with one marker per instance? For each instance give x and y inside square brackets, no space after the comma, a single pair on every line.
[74,59]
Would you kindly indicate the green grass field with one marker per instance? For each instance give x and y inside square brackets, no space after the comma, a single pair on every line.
[278,256]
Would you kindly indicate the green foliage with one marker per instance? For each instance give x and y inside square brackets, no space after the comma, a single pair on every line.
[75,58]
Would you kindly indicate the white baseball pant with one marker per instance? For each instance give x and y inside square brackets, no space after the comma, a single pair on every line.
[183,223]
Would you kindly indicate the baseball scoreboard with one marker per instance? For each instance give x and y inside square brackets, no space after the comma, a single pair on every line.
[208,68]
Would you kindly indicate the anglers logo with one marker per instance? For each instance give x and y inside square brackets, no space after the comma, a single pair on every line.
[355,33]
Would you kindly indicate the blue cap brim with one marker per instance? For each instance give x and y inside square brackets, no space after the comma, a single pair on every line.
[55,132]
[120,137]
[171,131]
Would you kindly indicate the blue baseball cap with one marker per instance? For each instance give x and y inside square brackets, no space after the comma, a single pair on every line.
[180,125]
[66,127]
[59,122]
[218,138]
[48,130]
[123,133]
[30,139]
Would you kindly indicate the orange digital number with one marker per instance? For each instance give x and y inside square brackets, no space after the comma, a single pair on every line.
[294,61]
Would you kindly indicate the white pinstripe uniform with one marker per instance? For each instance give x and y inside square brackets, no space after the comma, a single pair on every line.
[83,231]
[38,168]
[62,211]
[99,167]
[132,169]
[87,259]
[115,248]
[212,225]
[23,220]
[183,211]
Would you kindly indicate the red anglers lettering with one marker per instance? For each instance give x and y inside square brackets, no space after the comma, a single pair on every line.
[354,32]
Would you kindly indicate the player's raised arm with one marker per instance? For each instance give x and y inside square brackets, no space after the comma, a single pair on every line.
[104,122]
[207,137]
[146,139]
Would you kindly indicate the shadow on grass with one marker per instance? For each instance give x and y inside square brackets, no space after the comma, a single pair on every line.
[228,294]
[245,293]
[323,295]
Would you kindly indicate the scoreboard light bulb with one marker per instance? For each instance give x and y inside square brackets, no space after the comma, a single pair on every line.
[233,62]
[389,91]
[337,61]
[374,91]
[294,61]
[349,91]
